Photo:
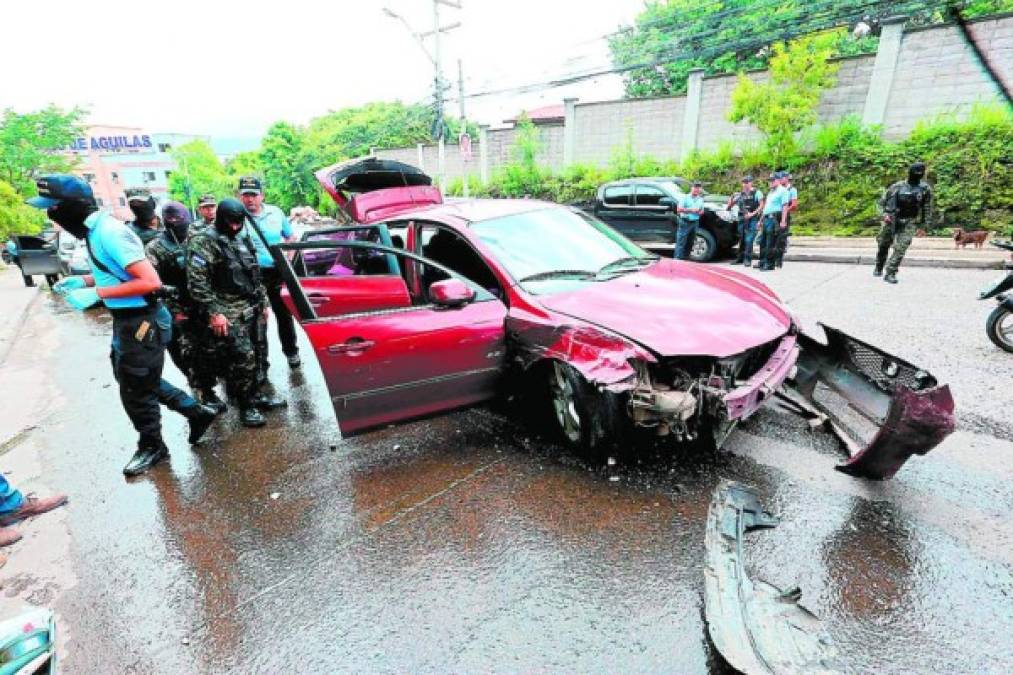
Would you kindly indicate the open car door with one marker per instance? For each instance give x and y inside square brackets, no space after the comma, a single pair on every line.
[389,354]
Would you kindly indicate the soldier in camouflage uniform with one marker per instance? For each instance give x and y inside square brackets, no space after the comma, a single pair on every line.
[190,337]
[206,208]
[224,282]
[904,202]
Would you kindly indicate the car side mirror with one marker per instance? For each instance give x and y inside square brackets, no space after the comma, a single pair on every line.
[667,202]
[450,293]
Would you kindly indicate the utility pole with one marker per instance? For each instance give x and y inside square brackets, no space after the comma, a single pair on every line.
[464,123]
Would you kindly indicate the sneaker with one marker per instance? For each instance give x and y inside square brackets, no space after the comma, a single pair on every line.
[147,456]
[200,420]
[251,417]
[293,360]
[268,402]
[32,506]
[8,536]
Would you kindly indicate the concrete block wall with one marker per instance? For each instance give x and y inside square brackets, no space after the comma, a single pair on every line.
[601,128]
[922,73]
[937,73]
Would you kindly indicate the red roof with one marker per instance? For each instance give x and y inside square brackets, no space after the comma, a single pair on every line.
[544,115]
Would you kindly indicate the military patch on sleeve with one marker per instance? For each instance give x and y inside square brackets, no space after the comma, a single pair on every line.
[197,260]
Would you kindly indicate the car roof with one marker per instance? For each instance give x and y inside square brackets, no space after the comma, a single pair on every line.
[475,210]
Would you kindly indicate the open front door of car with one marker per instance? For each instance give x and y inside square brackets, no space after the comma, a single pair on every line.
[388,354]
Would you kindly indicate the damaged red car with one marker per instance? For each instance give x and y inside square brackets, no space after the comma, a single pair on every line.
[426,305]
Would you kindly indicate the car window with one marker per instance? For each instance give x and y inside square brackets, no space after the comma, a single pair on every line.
[676,187]
[553,239]
[343,262]
[450,249]
[618,195]
[648,195]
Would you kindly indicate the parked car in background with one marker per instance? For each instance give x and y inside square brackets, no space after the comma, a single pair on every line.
[73,255]
[424,306]
[36,255]
[643,209]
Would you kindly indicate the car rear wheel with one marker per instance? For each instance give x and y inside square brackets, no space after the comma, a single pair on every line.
[1000,328]
[704,248]
[589,421]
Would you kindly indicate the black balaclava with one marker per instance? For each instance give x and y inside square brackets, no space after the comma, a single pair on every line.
[177,221]
[230,217]
[144,211]
[70,214]
[916,173]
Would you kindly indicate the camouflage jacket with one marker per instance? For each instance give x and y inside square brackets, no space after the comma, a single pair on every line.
[916,200]
[169,260]
[146,234]
[222,275]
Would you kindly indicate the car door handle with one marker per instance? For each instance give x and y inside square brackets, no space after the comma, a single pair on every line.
[351,346]
[317,299]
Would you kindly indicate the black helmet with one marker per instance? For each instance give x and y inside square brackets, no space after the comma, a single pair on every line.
[230,212]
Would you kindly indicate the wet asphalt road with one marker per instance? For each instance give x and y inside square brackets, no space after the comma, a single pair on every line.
[471,543]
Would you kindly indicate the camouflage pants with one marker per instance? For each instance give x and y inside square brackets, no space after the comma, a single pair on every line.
[235,359]
[186,352]
[898,234]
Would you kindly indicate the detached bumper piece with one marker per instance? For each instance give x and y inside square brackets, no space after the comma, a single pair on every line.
[882,408]
[28,643]
[757,627]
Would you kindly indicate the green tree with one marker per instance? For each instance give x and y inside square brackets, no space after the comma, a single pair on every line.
[16,217]
[244,164]
[786,104]
[288,165]
[31,144]
[197,171]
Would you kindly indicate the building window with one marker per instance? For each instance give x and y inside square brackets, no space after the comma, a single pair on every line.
[123,202]
[89,177]
[164,147]
[149,176]
[116,177]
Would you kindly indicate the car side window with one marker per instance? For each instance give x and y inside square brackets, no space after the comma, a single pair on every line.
[342,262]
[649,196]
[618,195]
[446,247]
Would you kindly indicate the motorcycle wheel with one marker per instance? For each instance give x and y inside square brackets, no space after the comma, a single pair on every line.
[1000,328]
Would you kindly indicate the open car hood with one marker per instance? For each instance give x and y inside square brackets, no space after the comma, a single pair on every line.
[679,309]
[370,189]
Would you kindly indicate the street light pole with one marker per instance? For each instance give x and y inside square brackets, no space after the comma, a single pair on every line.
[464,122]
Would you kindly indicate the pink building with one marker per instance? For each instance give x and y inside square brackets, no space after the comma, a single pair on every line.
[114,158]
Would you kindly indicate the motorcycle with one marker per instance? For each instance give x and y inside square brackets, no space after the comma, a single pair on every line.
[999,325]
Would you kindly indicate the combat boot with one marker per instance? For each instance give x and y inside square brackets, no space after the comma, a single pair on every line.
[877,271]
[200,417]
[293,360]
[268,402]
[251,417]
[211,400]
[149,453]
[890,278]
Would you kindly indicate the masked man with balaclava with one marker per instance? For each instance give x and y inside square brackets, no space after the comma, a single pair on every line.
[124,280]
[189,341]
[904,203]
[223,278]
[145,224]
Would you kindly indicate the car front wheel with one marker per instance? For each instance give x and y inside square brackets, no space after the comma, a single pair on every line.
[704,248]
[1000,328]
[589,421]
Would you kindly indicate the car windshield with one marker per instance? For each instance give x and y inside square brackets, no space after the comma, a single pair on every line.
[555,243]
[676,187]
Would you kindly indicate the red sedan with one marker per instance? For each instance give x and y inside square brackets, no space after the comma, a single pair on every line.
[425,306]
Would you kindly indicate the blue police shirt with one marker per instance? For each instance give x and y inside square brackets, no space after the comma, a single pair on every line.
[792,194]
[776,201]
[688,201]
[117,247]
[275,226]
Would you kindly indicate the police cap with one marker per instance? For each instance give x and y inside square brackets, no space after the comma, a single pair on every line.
[57,187]
[250,185]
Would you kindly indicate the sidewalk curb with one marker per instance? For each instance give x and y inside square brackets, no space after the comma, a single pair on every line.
[948,263]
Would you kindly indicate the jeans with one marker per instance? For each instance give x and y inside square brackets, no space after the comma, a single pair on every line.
[137,356]
[747,233]
[684,236]
[10,499]
[768,239]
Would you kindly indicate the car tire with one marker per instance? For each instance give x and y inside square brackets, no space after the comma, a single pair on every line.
[998,325]
[704,247]
[588,420]
[51,279]
[29,281]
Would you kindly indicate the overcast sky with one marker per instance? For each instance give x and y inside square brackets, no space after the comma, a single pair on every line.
[230,69]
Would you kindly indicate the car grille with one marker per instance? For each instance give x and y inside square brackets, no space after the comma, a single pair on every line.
[754,359]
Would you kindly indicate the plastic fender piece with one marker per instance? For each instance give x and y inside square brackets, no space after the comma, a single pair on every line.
[757,627]
[27,641]
[909,411]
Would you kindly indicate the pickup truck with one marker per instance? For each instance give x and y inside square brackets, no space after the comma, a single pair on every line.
[643,209]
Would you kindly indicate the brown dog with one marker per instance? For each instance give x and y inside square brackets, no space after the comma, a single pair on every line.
[962,238]
[920,232]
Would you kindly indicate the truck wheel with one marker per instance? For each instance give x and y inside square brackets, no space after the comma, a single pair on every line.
[1000,328]
[27,278]
[588,420]
[704,247]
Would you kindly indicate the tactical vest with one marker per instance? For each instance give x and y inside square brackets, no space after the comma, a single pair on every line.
[748,204]
[238,273]
[174,274]
[909,200]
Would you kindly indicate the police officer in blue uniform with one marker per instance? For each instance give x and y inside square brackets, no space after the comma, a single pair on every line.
[125,281]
